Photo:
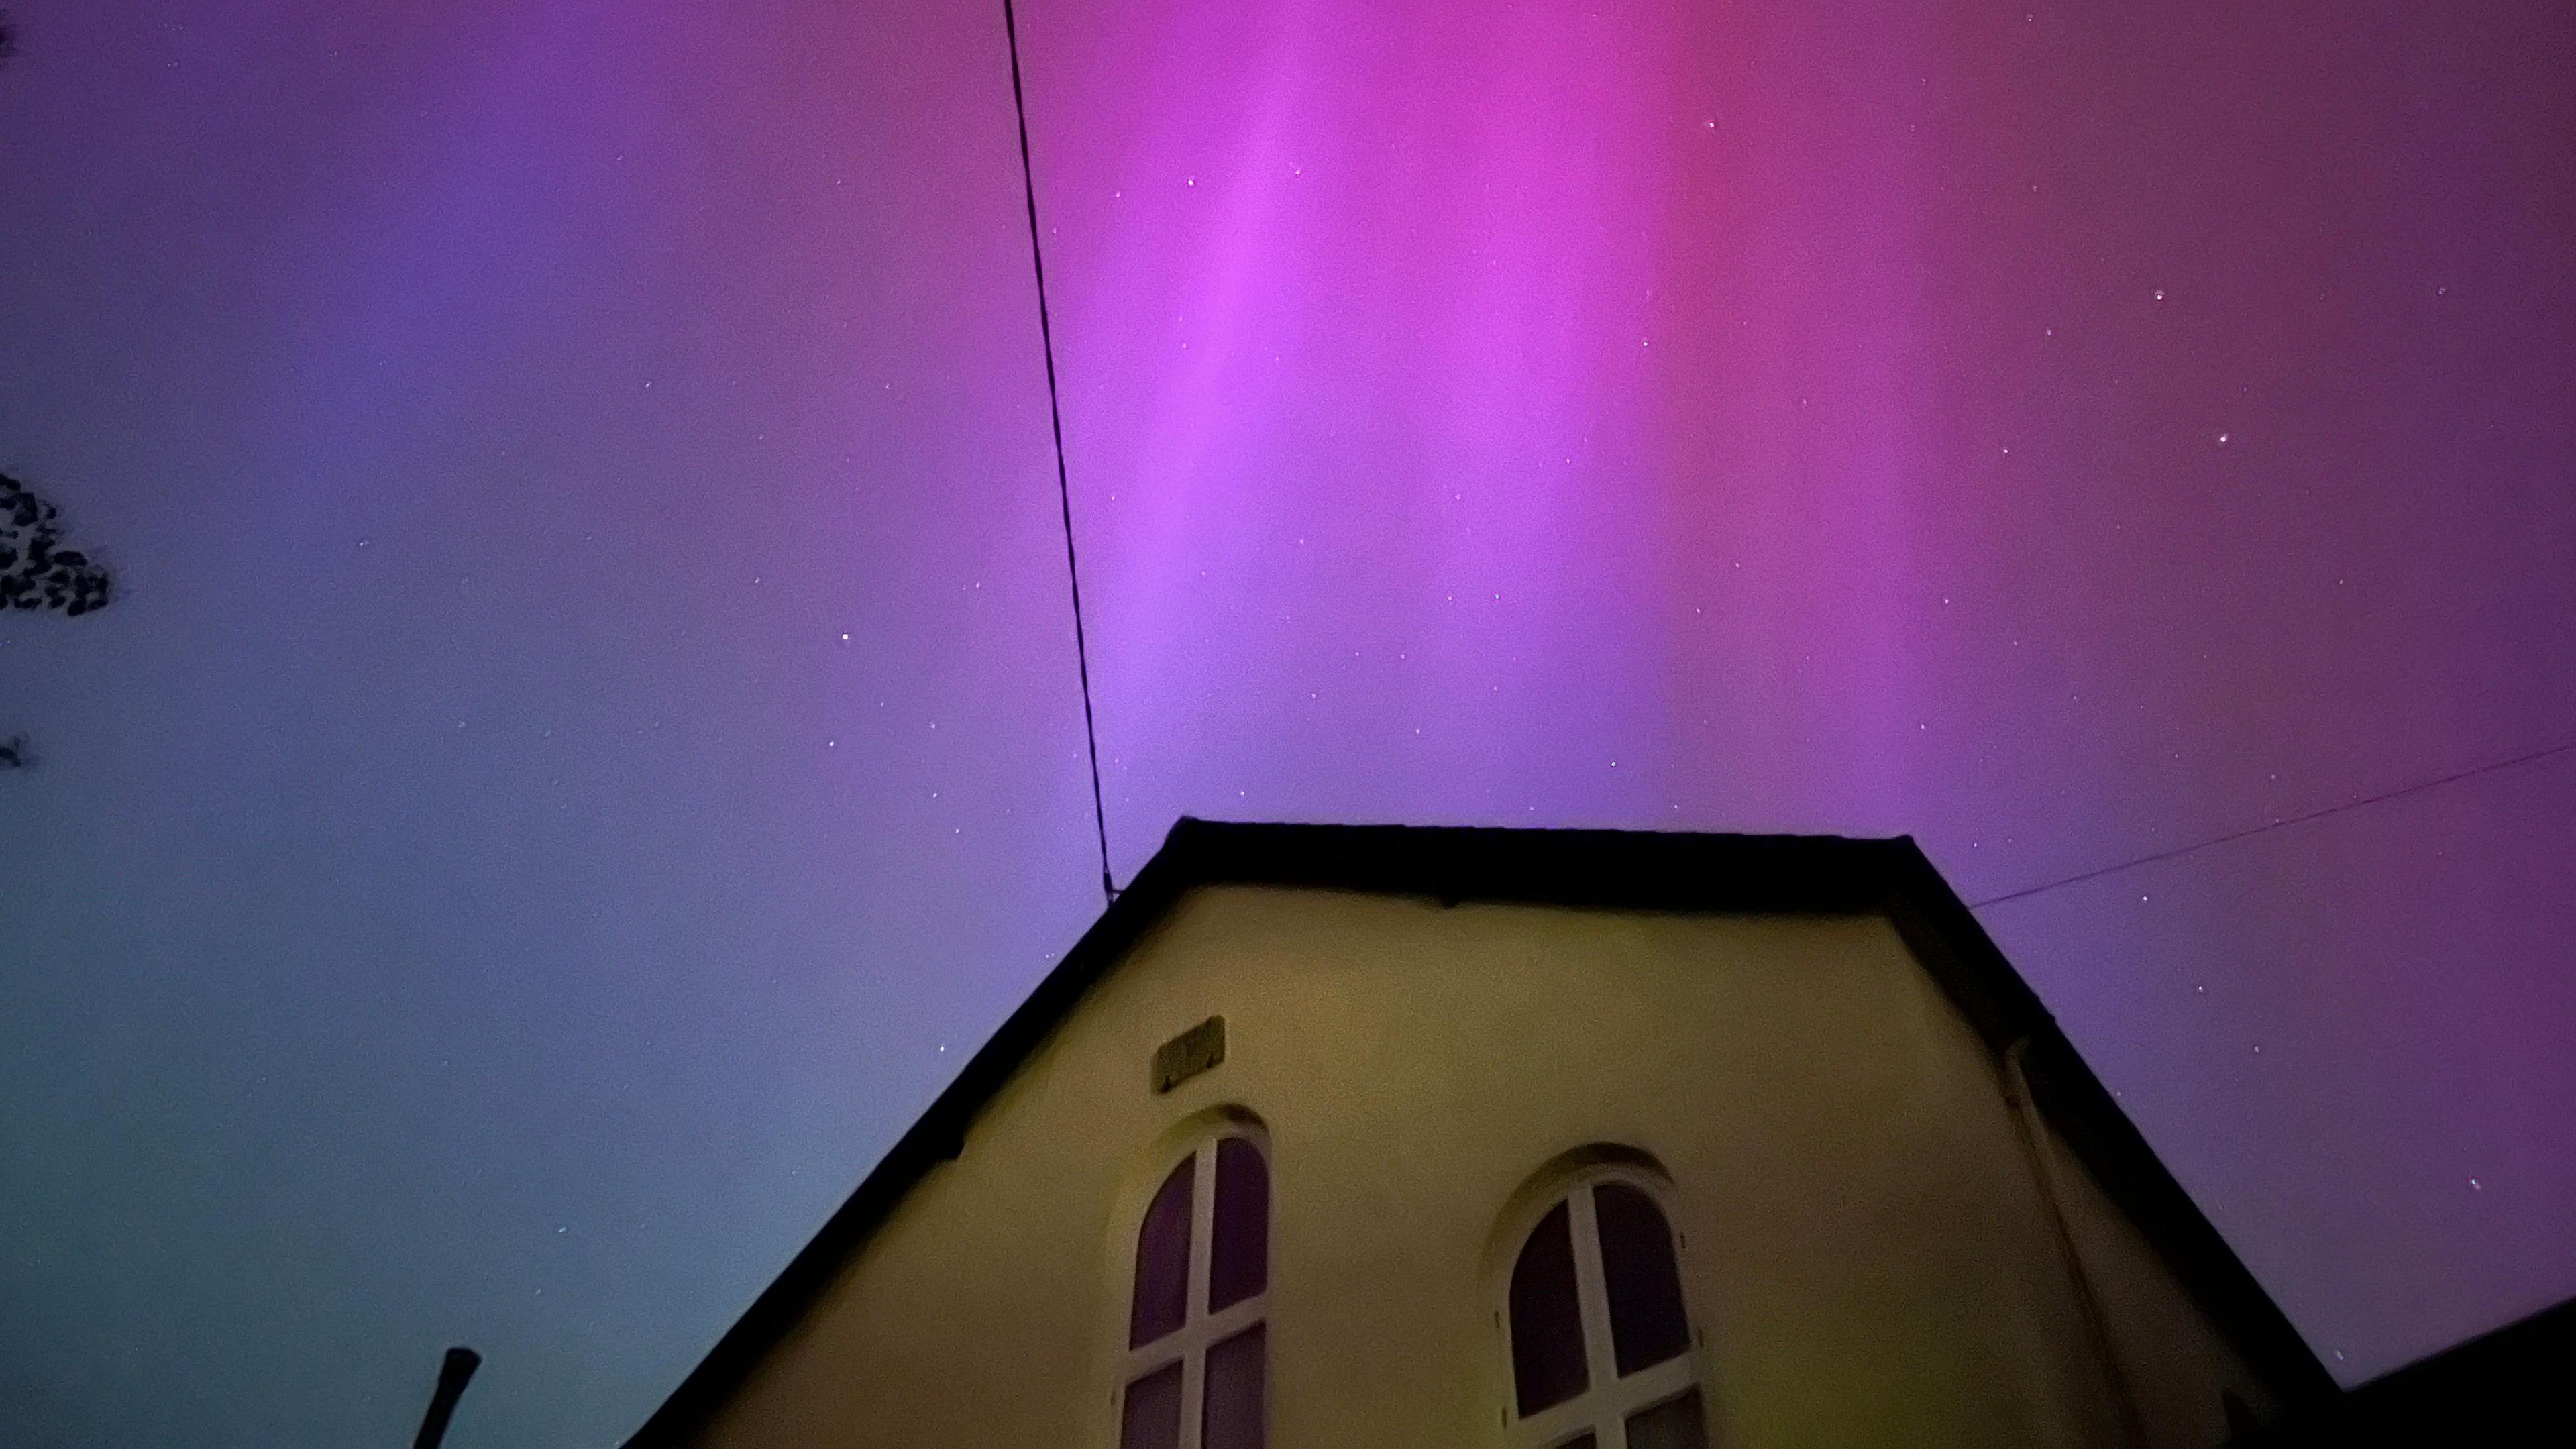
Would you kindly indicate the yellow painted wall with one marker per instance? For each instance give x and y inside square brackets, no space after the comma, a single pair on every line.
[1866,1254]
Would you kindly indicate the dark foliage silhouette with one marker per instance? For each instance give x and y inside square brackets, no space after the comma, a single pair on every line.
[36,571]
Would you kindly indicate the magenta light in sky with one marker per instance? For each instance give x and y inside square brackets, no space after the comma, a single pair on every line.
[593,714]
[2063,434]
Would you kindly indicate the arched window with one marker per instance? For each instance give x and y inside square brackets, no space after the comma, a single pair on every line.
[1600,1339]
[1196,1354]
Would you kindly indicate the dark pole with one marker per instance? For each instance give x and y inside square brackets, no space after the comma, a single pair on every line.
[458,1366]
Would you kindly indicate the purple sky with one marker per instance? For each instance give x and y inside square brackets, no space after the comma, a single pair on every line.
[471,890]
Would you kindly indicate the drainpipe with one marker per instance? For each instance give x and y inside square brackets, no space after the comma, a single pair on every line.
[2033,1132]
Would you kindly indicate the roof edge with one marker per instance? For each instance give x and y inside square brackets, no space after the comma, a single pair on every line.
[939,1136]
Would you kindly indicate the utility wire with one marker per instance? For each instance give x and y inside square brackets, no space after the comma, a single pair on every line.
[1055,420]
[1082,651]
[2180,850]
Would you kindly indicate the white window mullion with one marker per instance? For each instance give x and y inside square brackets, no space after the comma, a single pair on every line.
[1194,1319]
[1193,1392]
[1234,1319]
[1650,1386]
[1556,1424]
[1591,1290]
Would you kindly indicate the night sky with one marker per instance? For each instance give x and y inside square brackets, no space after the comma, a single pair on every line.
[588,737]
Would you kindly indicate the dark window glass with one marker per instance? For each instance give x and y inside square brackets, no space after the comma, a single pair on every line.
[1580,1441]
[1672,1424]
[1647,1325]
[1239,1246]
[1231,1416]
[1153,1416]
[1163,1261]
[1547,1319]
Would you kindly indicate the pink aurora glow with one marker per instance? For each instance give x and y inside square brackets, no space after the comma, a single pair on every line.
[592,740]
[2063,435]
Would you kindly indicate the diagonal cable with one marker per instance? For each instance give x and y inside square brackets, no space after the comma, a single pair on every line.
[2181,850]
[1055,421]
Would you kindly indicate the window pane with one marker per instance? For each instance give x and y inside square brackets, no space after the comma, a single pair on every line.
[1239,1255]
[1163,1260]
[1547,1321]
[1231,1418]
[1153,1417]
[1647,1325]
[1583,1440]
[1672,1424]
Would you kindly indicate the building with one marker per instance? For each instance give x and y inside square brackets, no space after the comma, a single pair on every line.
[1347,1136]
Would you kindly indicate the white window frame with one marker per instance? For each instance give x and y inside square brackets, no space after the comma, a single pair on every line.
[1602,1409]
[1200,1330]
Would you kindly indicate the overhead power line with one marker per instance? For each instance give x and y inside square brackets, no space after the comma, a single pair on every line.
[2282,824]
[1055,421]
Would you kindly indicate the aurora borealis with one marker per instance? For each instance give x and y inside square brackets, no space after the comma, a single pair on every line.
[588,735]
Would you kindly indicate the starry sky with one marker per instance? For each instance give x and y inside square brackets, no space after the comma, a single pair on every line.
[589,736]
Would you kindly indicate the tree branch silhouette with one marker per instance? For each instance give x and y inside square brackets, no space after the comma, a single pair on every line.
[38,574]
